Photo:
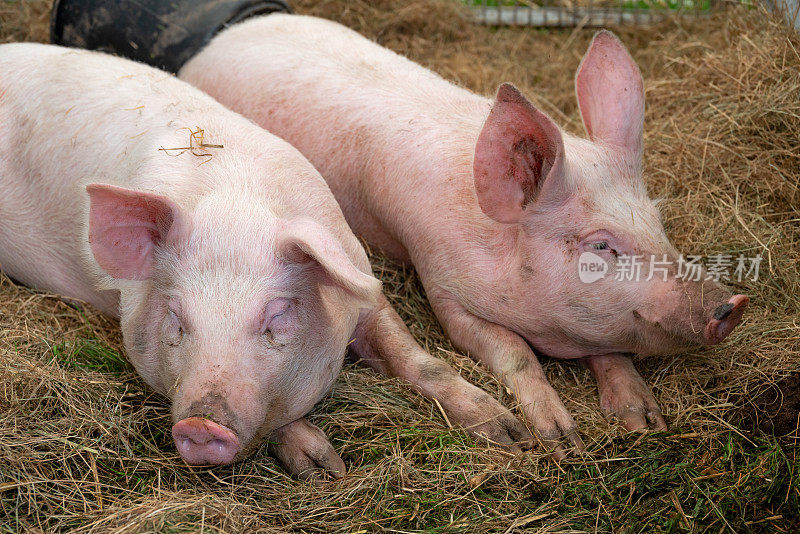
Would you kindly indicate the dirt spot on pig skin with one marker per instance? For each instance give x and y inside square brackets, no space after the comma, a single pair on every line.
[655,324]
[527,272]
[774,411]
[521,363]
[435,372]
[214,406]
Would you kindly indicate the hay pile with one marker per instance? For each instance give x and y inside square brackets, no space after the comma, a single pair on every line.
[85,445]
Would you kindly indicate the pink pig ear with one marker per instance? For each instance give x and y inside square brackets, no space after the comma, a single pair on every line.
[303,241]
[611,94]
[519,150]
[124,228]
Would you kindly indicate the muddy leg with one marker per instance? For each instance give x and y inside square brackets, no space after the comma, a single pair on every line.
[510,358]
[384,343]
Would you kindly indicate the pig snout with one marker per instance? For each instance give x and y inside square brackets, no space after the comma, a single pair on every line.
[201,441]
[724,319]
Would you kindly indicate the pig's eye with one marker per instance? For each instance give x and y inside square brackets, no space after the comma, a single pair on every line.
[277,318]
[600,245]
[174,329]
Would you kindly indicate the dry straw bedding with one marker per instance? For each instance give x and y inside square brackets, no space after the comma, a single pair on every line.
[85,445]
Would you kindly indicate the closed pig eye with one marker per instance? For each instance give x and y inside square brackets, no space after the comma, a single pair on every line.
[174,329]
[277,318]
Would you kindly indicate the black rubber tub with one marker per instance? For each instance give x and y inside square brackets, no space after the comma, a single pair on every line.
[162,33]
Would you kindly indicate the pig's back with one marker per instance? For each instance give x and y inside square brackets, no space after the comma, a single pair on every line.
[376,125]
[41,206]
[311,59]
[72,117]
[69,118]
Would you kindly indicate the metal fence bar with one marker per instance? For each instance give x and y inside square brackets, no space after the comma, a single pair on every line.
[560,17]
[566,13]
[790,9]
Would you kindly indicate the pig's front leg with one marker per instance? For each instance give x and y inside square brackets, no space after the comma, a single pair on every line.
[305,452]
[624,394]
[510,358]
[383,342]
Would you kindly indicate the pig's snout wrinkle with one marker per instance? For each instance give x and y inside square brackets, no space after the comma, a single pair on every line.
[725,318]
[201,441]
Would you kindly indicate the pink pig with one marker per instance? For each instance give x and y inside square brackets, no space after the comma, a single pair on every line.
[236,279]
[490,201]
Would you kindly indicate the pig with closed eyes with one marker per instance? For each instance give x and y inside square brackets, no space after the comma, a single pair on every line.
[490,200]
[237,282]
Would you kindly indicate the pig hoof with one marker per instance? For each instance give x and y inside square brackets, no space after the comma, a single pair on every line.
[624,395]
[561,441]
[484,418]
[638,417]
[503,431]
[305,452]
[636,410]
[555,428]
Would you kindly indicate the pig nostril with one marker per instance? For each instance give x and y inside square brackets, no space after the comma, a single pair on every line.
[725,318]
[723,311]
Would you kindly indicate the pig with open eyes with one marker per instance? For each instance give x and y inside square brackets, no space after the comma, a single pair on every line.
[491,202]
[236,279]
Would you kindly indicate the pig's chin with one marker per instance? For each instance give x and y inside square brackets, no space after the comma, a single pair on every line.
[255,441]
[664,338]
[669,347]
[279,414]
[642,341]
[568,348]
